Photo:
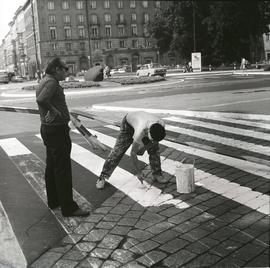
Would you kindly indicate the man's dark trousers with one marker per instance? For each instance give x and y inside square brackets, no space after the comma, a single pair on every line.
[58,174]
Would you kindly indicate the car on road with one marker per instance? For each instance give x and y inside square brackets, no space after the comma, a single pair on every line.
[151,69]
[4,78]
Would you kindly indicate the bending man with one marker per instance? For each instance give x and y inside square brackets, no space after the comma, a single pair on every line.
[143,131]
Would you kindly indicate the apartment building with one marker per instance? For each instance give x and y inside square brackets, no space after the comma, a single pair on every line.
[83,32]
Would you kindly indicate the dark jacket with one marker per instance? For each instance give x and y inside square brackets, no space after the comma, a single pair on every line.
[50,94]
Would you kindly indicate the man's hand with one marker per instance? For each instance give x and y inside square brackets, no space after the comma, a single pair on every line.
[50,116]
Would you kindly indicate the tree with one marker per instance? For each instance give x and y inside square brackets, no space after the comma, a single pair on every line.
[224,32]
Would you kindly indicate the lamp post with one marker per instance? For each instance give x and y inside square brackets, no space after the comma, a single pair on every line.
[35,40]
[194,26]
[88,33]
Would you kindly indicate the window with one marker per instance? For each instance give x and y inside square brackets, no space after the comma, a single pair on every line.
[66,19]
[146,17]
[80,18]
[108,44]
[79,4]
[145,4]
[120,18]
[93,4]
[134,43]
[54,46]
[107,17]
[145,30]
[68,46]
[268,37]
[133,17]
[96,45]
[107,4]
[53,32]
[134,30]
[132,4]
[82,46]
[120,4]
[52,19]
[157,4]
[95,31]
[67,32]
[50,5]
[122,44]
[121,30]
[81,32]
[65,5]
[148,43]
[108,30]
[94,19]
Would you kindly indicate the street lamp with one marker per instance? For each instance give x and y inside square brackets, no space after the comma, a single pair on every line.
[194,26]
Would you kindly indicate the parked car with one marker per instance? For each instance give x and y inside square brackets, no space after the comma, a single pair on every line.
[4,78]
[117,71]
[151,69]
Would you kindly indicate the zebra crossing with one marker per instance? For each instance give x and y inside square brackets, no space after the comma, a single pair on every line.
[222,145]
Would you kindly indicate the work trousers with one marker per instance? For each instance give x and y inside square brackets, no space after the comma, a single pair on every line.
[123,141]
[58,173]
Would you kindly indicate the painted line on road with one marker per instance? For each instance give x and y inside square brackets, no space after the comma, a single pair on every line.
[235,102]
[11,254]
[184,112]
[221,140]
[220,127]
[224,187]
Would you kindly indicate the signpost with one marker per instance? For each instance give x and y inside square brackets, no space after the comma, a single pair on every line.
[196,61]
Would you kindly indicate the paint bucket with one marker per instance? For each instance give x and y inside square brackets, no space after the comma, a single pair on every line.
[184,176]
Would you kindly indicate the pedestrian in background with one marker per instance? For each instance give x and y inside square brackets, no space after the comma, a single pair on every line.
[54,116]
[143,131]
[243,66]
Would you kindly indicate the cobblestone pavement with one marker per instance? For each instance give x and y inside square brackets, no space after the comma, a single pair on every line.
[223,223]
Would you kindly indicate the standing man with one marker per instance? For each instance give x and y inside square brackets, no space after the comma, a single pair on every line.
[54,116]
[143,131]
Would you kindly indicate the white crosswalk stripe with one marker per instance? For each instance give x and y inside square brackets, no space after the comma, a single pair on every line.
[220,127]
[219,139]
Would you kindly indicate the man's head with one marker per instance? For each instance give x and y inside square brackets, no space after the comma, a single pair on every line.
[157,132]
[57,68]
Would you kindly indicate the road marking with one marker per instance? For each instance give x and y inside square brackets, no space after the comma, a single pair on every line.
[209,181]
[11,254]
[250,167]
[236,102]
[184,112]
[219,127]
[13,147]
[222,140]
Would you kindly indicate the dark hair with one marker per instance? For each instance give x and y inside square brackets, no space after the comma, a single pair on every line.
[52,65]
[157,132]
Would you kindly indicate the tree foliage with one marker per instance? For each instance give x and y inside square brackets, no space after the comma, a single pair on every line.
[223,31]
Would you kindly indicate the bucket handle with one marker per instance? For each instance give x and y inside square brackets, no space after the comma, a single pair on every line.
[186,158]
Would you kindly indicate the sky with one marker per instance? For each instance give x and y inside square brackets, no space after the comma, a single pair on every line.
[7,12]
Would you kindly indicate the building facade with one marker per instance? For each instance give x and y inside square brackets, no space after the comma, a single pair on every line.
[82,32]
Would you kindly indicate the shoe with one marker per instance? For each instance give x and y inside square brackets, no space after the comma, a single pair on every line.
[78,213]
[100,184]
[160,179]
